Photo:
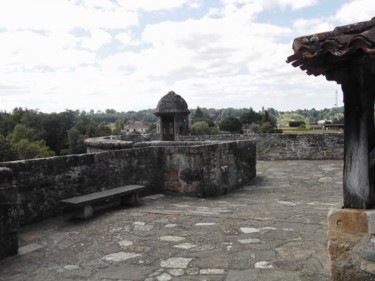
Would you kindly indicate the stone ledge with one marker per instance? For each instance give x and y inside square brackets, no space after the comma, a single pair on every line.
[348,220]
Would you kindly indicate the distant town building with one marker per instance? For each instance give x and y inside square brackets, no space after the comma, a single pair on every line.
[323,122]
[137,127]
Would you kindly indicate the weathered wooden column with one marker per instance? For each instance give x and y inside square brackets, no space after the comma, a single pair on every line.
[347,55]
[358,85]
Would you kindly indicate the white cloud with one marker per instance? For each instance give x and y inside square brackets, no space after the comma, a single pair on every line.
[293,4]
[355,11]
[311,26]
[61,15]
[25,50]
[52,57]
[97,39]
[271,4]
[127,39]
[147,5]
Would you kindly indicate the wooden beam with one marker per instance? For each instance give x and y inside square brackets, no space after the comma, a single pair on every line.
[358,88]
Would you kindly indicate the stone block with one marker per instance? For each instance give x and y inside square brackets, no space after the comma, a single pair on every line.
[339,251]
[348,220]
[371,221]
[344,236]
[344,274]
[368,267]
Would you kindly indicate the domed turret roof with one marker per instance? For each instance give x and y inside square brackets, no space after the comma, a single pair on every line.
[172,103]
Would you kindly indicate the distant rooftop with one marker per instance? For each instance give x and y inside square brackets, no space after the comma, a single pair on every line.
[320,53]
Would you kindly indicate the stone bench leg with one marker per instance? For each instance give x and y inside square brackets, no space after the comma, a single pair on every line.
[84,212]
[130,200]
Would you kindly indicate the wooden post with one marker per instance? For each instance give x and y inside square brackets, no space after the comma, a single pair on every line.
[358,88]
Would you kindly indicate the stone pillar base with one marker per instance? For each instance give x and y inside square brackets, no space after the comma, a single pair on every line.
[351,244]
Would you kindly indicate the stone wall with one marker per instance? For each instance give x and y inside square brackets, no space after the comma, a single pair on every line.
[198,170]
[206,169]
[42,183]
[287,146]
[351,244]
[8,214]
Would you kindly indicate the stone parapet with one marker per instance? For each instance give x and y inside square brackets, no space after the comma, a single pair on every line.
[196,169]
[351,244]
[287,146]
[269,146]
[9,219]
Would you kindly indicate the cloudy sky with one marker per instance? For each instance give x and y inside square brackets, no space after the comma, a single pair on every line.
[126,54]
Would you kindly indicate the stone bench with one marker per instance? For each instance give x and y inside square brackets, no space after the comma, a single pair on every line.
[84,204]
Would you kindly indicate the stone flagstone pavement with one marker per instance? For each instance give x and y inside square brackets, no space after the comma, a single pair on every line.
[274,228]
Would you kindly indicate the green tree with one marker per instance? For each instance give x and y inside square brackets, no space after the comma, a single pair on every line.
[231,124]
[119,126]
[267,118]
[250,117]
[202,116]
[26,149]
[19,133]
[7,152]
[56,127]
[198,114]
[152,129]
[84,128]
[25,146]
[200,128]
[104,129]
[76,141]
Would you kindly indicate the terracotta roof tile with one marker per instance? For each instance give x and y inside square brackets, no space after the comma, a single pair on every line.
[319,53]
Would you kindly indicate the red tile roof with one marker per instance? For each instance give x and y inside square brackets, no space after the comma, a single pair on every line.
[322,52]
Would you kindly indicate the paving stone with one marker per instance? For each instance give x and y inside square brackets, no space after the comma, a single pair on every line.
[242,275]
[288,203]
[71,267]
[171,225]
[172,238]
[154,196]
[175,262]
[268,228]
[212,271]
[203,248]
[120,256]
[185,246]
[125,271]
[265,255]
[295,265]
[29,248]
[164,277]
[299,250]
[263,265]
[249,241]
[192,271]
[146,227]
[278,275]
[176,272]
[205,223]
[125,243]
[248,230]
